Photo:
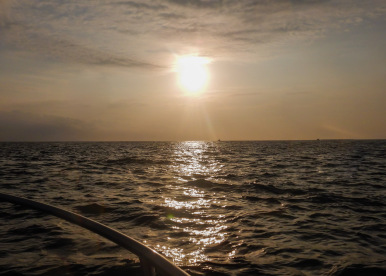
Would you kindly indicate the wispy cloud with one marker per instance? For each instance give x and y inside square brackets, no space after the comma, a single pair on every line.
[22,126]
[67,49]
[5,6]
[128,33]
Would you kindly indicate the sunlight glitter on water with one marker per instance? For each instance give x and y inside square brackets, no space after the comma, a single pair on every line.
[194,192]
[194,162]
[209,236]
[200,203]
[291,207]
[176,254]
[197,257]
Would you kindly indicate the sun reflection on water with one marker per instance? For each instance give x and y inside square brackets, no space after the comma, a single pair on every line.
[193,159]
[194,193]
[193,215]
[200,203]
[176,254]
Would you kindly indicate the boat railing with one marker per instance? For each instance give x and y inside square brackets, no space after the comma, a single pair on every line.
[151,261]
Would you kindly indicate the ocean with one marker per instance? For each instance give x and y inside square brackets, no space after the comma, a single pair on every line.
[213,208]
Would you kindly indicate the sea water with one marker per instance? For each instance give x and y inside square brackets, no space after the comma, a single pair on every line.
[213,208]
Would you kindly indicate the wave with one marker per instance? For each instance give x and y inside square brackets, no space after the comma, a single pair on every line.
[120,268]
[206,184]
[270,188]
[94,208]
[137,161]
[245,208]
[358,270]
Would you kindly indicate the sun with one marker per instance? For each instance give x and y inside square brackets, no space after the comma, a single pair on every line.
[192,72]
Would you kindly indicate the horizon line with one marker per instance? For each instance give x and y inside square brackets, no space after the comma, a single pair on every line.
[180,141]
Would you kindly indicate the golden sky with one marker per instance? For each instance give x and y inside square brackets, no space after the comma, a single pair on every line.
[192,70]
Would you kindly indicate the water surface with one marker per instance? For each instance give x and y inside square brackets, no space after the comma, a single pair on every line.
[214,208]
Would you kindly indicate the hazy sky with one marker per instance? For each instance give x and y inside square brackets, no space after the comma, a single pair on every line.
[106,70]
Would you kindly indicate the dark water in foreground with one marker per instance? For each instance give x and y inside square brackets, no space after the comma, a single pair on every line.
[214,208]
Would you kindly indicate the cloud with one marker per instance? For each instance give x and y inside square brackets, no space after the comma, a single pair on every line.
[130,33]
[42,36]
[140,5]
[53,47]
[70,51]
[23,126]
[199,3]
[5,7]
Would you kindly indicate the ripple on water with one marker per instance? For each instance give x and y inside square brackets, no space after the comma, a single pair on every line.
[215,208]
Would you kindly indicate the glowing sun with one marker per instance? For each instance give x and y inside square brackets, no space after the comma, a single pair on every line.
[193,74]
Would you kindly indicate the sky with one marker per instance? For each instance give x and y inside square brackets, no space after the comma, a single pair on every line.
[274,70]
